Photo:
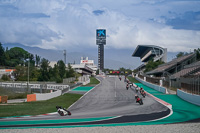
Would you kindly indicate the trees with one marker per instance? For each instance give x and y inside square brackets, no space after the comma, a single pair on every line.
[180,54]
[197,53]
[152,65]
[2,55]
[61,69]
[70,71]
[44,76]
[39,69]
[37,60]
[16,56]
[5,78]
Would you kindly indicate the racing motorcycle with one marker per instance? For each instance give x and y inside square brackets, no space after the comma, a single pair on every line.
[62,111]
[138,100]
[143,93]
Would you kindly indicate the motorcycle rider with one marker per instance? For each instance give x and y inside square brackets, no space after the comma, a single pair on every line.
[62,111]
[127,86]
[143,93]
[137,98]
[141,89]
[137,89]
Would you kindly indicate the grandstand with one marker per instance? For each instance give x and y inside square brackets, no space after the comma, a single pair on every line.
[173,66]
[149,52]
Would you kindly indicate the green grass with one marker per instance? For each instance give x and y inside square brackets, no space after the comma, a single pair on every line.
[93,81]
[38,107]
[133,80]
[12,95]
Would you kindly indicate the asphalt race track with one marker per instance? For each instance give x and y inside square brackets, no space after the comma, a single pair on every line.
[109,102]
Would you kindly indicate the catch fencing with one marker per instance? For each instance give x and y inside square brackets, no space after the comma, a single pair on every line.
[30,87]
[191,84]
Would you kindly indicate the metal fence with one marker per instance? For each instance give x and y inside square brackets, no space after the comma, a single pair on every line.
[153,80]
[69,80]
[141,76]
[166,84]
[191,84]
[38,88]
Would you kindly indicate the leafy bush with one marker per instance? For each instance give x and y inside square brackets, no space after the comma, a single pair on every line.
[5,78]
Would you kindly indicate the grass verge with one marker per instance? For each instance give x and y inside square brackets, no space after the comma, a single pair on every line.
[133,80]
[38,107]
[93,81]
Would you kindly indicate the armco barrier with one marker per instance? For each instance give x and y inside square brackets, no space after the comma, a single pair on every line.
[156,87]
[192,98]
[46,96]
[31,97]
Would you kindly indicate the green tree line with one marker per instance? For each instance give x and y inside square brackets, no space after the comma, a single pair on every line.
[32,66]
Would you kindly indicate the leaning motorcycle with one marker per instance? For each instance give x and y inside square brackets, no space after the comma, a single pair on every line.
[139,100]
[62,111]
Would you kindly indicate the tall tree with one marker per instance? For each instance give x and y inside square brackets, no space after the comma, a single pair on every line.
[197,53]
[2,55]
[152,65]
[37,59]
[54,74]
[70,71]
[16,56]
[44,76]
[61,68]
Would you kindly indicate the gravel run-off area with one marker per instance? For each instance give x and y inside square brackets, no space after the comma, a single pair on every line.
[171,128]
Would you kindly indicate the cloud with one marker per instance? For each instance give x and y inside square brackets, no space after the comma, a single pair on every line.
[72,24]
[189,20]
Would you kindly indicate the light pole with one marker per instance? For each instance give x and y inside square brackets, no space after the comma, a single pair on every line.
[28,74]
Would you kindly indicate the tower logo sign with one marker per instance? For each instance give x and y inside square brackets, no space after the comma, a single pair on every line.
[101,33]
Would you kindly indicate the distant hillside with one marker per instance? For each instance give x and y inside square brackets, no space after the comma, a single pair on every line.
[113,58]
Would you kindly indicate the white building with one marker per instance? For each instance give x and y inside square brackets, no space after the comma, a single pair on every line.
[85,67]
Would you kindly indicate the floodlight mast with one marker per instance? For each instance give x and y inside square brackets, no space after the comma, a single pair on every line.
[64,53]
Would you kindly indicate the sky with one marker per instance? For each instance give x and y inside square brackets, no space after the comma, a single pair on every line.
[72,24]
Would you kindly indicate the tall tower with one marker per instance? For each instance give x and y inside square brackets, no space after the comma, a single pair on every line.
[101,41]
[64,53]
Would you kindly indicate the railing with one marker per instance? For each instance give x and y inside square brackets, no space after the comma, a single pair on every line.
[166,84]
[153,80]
[191,85]
[141,76]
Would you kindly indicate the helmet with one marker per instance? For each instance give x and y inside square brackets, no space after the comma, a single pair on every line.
[57,107]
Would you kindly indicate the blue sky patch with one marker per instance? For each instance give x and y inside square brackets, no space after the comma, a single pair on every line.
[188,21]
[98,12]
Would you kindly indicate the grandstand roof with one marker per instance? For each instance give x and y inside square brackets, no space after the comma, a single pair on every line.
[166,66]
[141,48]
[147,52]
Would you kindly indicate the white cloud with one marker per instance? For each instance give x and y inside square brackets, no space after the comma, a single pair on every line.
[72,24]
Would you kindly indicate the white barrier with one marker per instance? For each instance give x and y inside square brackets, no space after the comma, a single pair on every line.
[34,86]
[86,82]
[153,86]
[192,98]
[46,96]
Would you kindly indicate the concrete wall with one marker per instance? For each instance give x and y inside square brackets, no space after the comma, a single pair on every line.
[46,96]
[192,98]
[153,86]
[86,82]
[84,79]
